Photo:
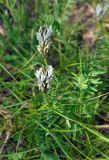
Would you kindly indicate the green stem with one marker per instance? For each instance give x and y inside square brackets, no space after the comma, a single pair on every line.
[81,94]
[46,99]
[45,61]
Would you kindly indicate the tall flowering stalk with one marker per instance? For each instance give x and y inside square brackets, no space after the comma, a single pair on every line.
[44,75]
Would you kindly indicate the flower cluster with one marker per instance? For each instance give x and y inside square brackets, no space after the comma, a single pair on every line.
[44,39]
[101,11]
[44,76]
[45,73]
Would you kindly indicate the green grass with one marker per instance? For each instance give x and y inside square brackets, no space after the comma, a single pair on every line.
[64,123]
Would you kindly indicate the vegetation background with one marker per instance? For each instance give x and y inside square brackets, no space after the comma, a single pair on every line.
[70,121]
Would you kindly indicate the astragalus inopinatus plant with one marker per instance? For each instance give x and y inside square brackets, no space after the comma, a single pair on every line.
[44,74]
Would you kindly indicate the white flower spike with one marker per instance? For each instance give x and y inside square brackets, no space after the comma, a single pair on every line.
[44,76]
[98,10]
[101,11]
[44,39]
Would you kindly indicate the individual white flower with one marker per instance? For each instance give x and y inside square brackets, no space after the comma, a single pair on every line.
[44,39]
[44,76]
